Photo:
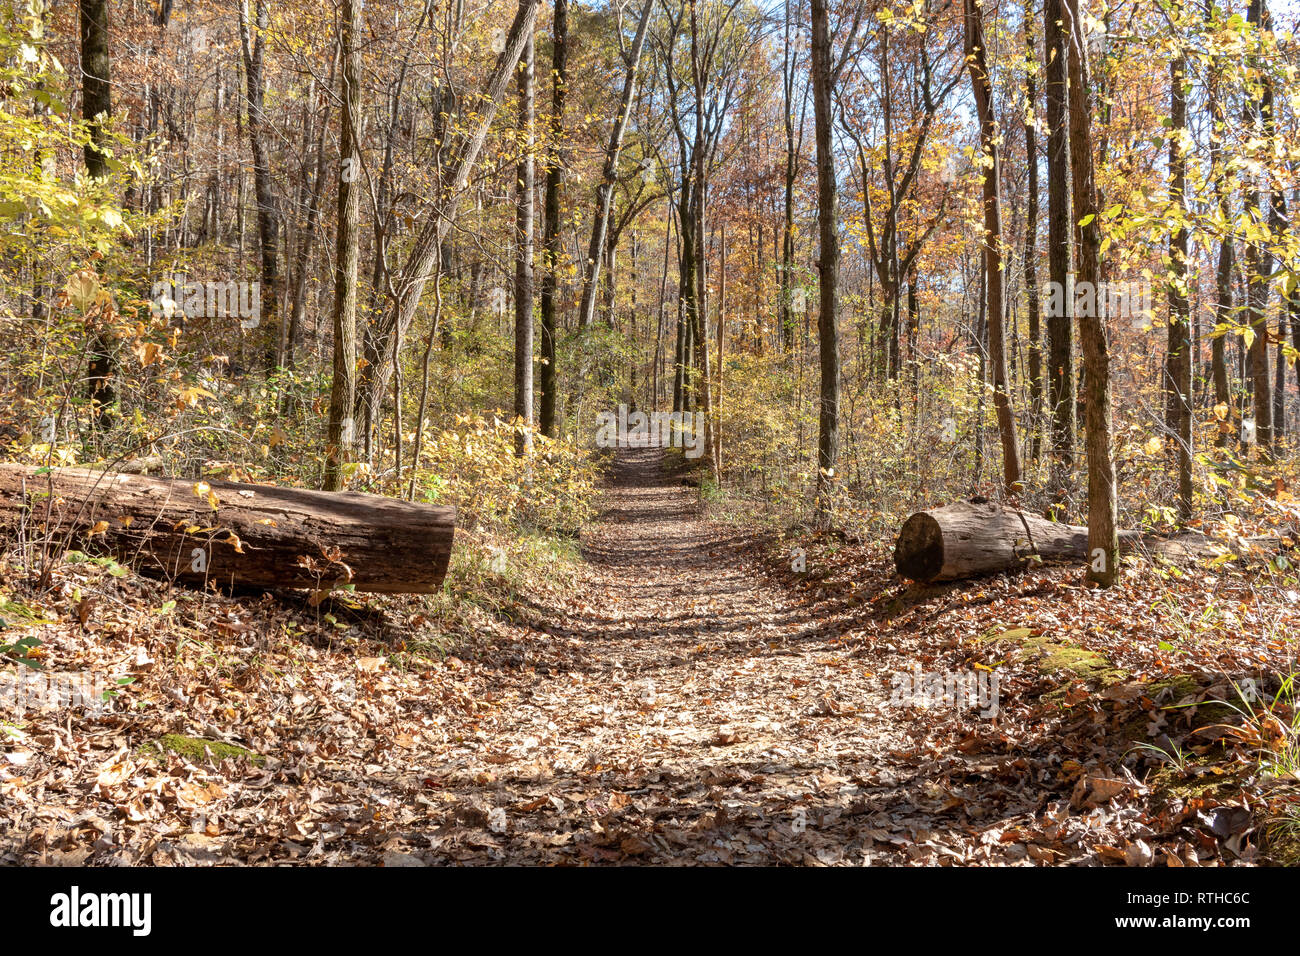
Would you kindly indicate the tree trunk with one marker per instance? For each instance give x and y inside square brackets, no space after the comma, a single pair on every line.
[524,254]
[343,390]
[1031,240]
[96,108]
[1256,279]
[268,221]
[551,228]
[1103,507]
[788,76]
[982,87]
[257,535]
[1223,300]
[828,255]
[1060,315]
[1180,338]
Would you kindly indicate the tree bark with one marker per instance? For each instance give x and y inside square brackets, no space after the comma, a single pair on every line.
[1223,300]
[1031,239]
[1256,278]
[1180,319]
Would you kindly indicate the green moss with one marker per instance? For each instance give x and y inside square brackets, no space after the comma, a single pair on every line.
[196,750]
[1051,656]
[1201,780]
[1174,688]
[1015,634]
[1086,665]
[1167,693]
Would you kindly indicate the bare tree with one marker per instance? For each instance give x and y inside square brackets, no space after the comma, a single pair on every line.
[407,284]
[605,191]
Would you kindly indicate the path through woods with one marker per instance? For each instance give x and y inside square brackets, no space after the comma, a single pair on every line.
[688,708]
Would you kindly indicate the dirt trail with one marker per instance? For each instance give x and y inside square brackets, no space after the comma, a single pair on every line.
[684,710]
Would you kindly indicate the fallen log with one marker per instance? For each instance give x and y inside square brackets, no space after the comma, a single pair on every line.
[977,537]
[232,533]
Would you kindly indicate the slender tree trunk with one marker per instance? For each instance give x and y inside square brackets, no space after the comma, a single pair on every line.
[1256,278]
[828,255]
[1180,340]
[268,220]
[1103,506]
[1031,239]
[524,255]
[788,75]
[1294,305]
[1060,318]
[551,228]
[97,108]
[982,86]
[344,386]
[721,334]
[1223,301]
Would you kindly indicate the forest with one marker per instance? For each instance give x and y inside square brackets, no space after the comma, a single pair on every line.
[650,432]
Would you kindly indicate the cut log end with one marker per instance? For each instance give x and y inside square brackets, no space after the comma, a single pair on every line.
[918,553]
